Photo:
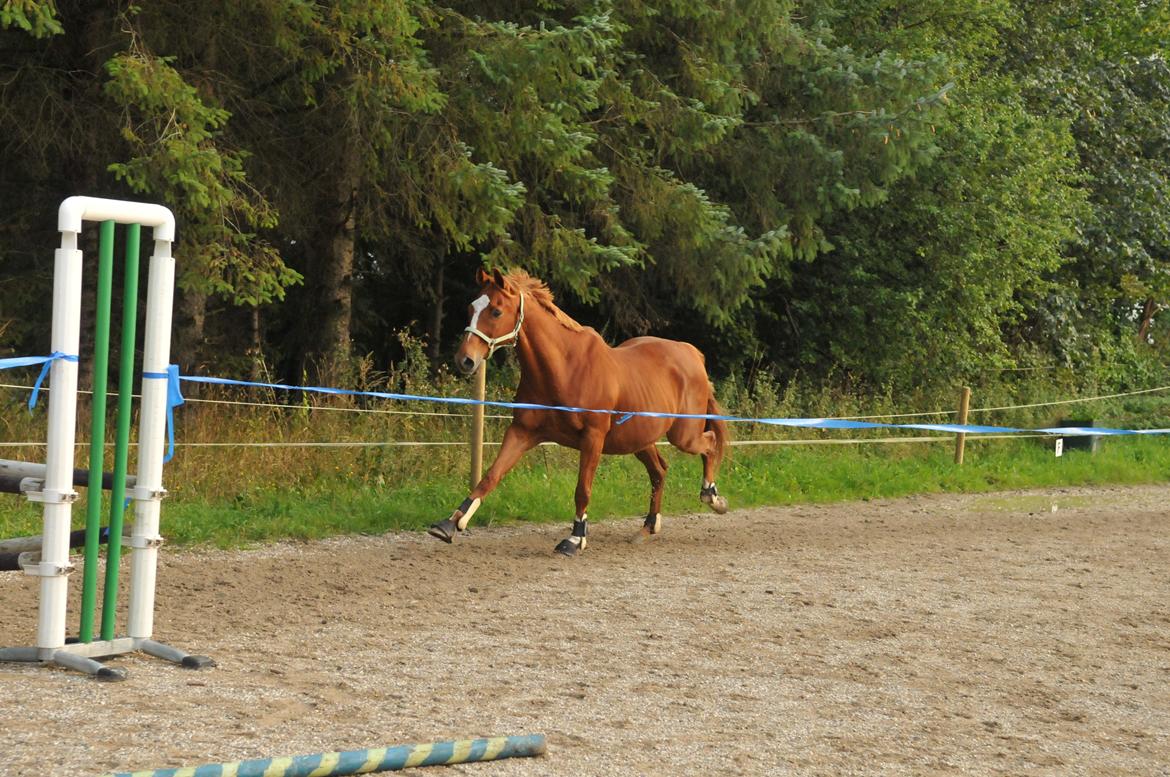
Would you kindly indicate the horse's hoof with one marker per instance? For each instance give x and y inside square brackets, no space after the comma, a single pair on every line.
[567,548]
[443,530]
[650,527]
[710,496]
[644,535]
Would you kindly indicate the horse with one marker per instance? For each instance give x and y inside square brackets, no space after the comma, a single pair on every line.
[563,363]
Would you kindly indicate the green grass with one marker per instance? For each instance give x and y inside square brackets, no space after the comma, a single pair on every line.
[541,488]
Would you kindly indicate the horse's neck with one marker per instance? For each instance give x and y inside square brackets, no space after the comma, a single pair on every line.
[547,351]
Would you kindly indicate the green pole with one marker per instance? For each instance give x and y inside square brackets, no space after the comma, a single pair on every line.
[101,365]
[122,441]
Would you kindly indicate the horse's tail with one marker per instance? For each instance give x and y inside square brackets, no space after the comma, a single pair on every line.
[718,426]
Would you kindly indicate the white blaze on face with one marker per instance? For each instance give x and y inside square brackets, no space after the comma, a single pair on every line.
[479,306]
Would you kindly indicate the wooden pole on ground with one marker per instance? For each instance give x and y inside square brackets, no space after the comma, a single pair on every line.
[477,425]
[961,439]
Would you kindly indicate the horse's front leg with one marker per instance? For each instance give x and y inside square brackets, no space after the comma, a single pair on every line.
[592,442]
[517,442]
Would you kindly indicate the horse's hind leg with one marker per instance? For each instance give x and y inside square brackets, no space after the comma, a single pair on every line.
[691,436]
[709,494]
[656,469]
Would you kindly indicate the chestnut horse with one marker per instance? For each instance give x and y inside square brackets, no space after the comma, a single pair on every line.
[563,363]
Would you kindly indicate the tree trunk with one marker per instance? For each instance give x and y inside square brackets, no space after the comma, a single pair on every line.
[436,333]
[256,350]
[1148,312]
[189,327]
[329,336]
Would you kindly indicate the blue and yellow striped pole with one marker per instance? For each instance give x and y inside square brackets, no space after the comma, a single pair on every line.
[381,759]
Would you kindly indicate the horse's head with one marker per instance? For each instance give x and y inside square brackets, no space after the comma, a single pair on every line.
[496,317]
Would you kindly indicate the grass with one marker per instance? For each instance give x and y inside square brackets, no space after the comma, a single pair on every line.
[230,497]
[541,489]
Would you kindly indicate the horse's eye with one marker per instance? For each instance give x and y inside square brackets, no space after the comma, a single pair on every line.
[496,312]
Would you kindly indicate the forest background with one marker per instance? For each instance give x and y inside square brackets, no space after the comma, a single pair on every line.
[883,196]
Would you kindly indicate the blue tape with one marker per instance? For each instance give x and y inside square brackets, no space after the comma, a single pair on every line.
[32,361]
[803,423]
[174,399]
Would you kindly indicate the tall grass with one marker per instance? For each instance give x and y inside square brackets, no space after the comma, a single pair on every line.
[233,493]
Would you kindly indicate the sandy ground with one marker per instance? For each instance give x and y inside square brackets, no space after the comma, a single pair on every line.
[1021,633]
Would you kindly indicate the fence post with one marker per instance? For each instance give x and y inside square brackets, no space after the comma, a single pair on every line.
[961,439]
[477,425]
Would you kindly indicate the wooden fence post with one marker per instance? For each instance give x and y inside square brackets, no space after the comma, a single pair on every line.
[477,425]
[961,439]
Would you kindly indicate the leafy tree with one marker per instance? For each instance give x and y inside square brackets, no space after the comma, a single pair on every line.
[1101,67]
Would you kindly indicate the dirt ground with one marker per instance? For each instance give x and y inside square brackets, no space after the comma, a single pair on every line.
[1018,633]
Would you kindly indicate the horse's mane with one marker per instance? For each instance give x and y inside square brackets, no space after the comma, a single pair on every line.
[537,290]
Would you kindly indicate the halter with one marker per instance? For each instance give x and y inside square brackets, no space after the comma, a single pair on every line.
[495,342]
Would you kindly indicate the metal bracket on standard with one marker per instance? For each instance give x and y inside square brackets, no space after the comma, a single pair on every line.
[52,497]
[135,541]
[47,569]
[142,494]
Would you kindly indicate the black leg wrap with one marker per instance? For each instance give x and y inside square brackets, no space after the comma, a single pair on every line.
[567,547]
[709,493]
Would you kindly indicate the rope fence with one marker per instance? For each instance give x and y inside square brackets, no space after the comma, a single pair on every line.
[384,411]
[859,422]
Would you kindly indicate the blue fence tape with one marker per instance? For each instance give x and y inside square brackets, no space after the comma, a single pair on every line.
[175,398]
[32,361]
[626,415]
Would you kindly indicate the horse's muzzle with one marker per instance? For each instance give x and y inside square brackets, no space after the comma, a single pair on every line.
[466,364]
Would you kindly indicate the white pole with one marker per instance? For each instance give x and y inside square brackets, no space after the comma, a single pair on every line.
[57,492]
[156,354]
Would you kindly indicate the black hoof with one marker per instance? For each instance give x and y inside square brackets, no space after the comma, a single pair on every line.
[444,530]
[567,548]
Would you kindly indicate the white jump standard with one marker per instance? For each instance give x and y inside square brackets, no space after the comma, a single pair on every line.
[55,489]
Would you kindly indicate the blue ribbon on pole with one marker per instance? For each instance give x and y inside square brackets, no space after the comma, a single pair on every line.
[174,399]
[32,361]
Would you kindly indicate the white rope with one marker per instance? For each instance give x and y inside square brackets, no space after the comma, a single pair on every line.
[1071,401]
[290,407]
[340,409]
[505,417]
[425,444]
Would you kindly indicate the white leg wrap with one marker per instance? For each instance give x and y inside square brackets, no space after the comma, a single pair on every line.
[463,520]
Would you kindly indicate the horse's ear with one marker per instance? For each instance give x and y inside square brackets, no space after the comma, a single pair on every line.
[500,281]
[481,277]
